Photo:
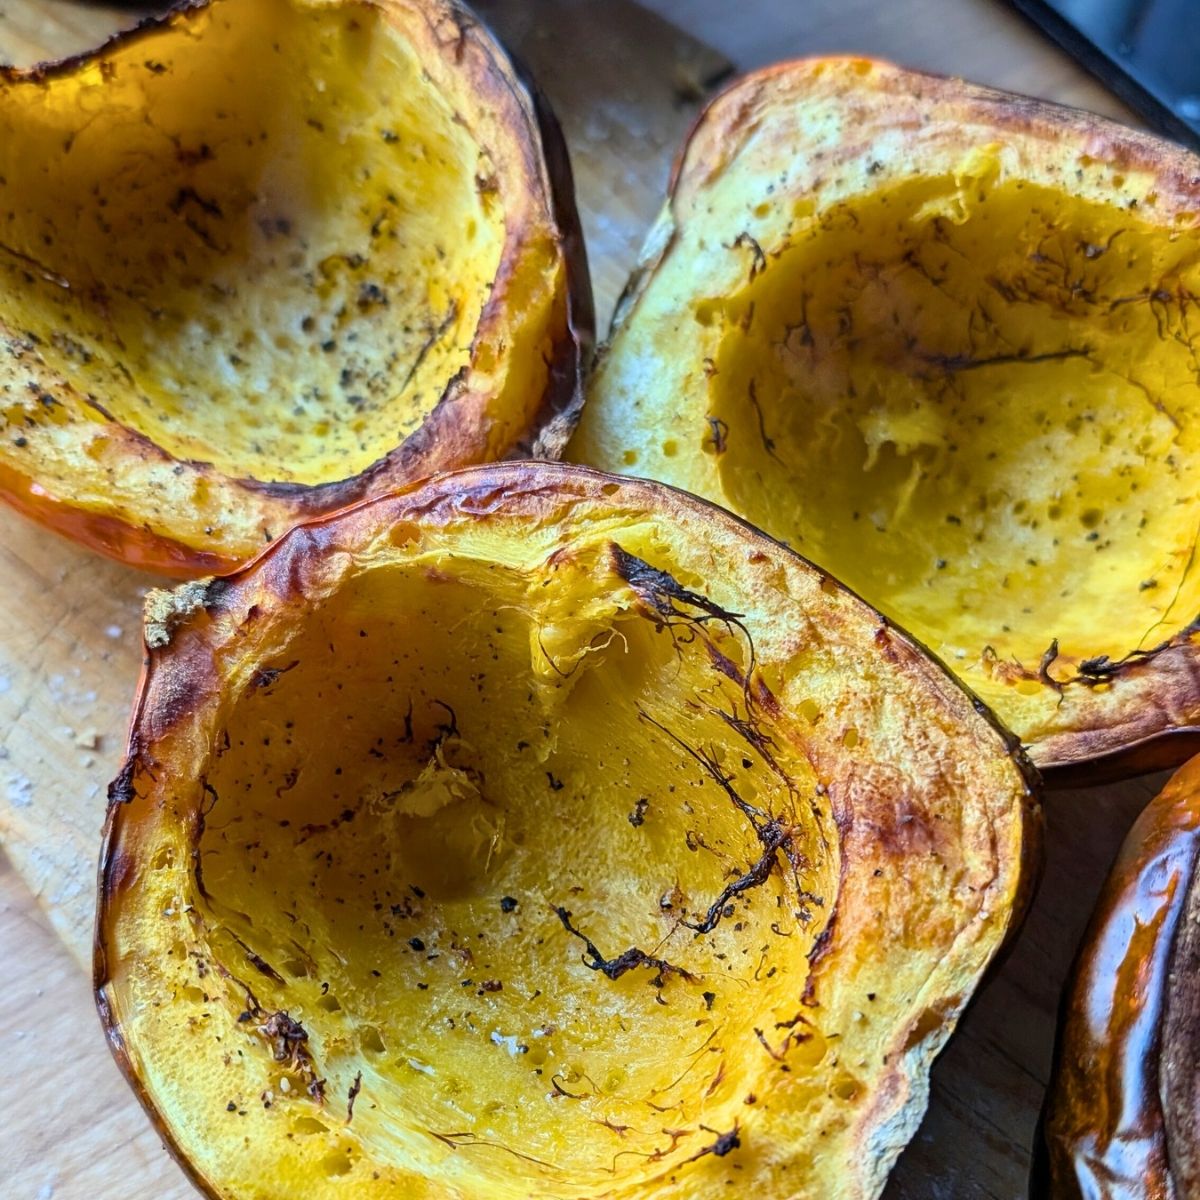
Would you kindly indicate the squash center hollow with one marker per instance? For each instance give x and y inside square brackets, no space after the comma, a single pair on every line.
[476,844]
[270,254]
[973,402]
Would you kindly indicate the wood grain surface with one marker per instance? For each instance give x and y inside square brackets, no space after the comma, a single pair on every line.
[625,84]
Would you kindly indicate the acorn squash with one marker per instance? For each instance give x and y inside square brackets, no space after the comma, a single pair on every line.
[535,833]
[262,258]
[1121,1115]
[943,341]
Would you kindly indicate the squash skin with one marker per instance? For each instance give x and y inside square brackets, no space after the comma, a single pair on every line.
[108,485]
[879,829]
[823,133]
[1120,1114]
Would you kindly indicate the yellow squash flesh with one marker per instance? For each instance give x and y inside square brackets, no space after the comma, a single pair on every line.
[943,341]
[267,257]
[539,834]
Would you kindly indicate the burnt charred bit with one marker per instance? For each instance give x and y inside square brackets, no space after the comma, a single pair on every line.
[798,1019]
[637,818]
[774,837]
[613,1127]
[289,782]
[1098,669]
[207,804]
[355,1088]
[793,1037]
[718,435]
[627,960]
[660,591]
[724,1144]
[1101,669]
[559,1090]
[761,743]
[457,1141]
[758,261]
[288,1040]
[662,594]
[308,831]
[712,769]
[767,441]
[265,677]
[445,729]
[188,195]
[263,967]
[955,364]
[121,790]
[209,800]
[725,665]
[435,335]
[821,947]
[38,267]
[1047,661]
[253,1009]
[259,963]
[286,1036]
[758,691]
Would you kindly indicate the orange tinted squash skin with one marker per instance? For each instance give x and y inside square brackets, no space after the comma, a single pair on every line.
[140,548]
[145,516]
[1108,1129]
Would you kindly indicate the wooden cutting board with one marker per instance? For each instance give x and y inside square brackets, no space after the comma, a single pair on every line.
[626,85]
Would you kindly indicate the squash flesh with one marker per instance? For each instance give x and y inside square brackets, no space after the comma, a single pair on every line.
[289,824]
[502,1027]
[421,822]
[976,415]
[191,260]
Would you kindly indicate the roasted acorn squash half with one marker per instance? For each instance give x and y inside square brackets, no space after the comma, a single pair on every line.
[943,341]
[537,833]
[1124,1103]
[263,258]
